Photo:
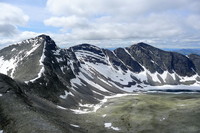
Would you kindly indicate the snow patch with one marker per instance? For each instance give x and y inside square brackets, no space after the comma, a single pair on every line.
[73,125]
[84,54]
[8,65]
[59,59]
[109,125]
[115,128]
[89,107]
[92,83]
[60,107]
[13,49]
[94,107]
[82,77]
[194,87]
[162,119]
[181,105]
[76,81]
[65,95]
[57,52]
[1,131]
[1,95]
[104,115]
[104,81]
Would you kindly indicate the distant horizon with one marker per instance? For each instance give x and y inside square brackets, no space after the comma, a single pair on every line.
[113,44]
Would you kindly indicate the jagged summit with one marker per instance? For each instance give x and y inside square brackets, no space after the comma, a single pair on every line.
[50,44]
[44,36]
[142,44]
[146,47]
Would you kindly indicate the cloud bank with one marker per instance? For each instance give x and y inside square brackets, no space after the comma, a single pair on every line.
[117,19]
[11,17]
[105,23]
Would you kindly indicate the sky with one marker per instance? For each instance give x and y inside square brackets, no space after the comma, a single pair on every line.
[105,23]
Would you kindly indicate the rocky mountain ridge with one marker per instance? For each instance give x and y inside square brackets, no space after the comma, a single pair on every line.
[90,73]
[46,79]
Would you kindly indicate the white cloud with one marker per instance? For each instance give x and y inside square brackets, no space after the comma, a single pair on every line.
[67,22]
[106,23]
[193,21]
[7,29]
[17,38]
[115,7]
[65,40]
[148,27]
[117,19]
[10,18]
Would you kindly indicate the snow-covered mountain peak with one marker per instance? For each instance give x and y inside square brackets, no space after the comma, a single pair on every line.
[23,60]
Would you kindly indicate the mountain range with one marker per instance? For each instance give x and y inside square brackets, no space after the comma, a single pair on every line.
[38,75]
[187,51]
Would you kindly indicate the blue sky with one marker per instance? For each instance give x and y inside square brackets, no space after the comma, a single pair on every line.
[105,23]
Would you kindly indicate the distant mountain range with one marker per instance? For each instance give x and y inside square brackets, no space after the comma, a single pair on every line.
[42,73]
[188,51]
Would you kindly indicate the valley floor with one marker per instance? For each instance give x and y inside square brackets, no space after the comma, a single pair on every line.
[144,113]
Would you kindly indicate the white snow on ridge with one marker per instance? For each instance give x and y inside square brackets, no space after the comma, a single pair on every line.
[85,70]
[1,95]
[39,74]
[34,47]
[43,56]
[7,65]
[82,53]
[57,52]
[104,81]
[123,77]
[59,59]
[13,49]
[41,64]
[60,107]
[183,79]
[110,73]
[1,131]
[66,94]
[75,81]
[92,83]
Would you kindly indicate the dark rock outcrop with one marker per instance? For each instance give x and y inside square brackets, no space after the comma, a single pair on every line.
[157,60]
